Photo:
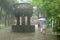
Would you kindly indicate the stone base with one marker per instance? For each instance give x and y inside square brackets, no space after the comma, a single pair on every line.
[23,28]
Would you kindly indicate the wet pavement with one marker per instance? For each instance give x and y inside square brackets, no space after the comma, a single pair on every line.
[6,34]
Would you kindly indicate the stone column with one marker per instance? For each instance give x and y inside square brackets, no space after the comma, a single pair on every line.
[23,20]
[18,20]
[28,20]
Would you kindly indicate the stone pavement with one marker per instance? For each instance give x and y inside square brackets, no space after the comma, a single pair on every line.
[6,34]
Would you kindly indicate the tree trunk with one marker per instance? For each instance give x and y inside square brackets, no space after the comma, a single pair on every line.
[0,14]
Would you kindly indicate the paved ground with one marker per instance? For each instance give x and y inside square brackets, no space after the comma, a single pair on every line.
[6,34]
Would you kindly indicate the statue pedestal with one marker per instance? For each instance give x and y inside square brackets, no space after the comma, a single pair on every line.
[23,28]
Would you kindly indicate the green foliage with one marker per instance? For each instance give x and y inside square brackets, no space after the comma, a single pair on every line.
[51,6]
[57,27]
[5,10]
[2,26]
[7,4]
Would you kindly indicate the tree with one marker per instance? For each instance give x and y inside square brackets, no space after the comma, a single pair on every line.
[51,6]
[6,5]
